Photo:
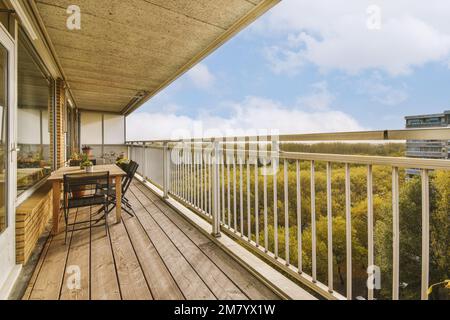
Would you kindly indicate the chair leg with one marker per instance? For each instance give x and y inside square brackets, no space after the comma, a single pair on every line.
[106,219]
[66,219]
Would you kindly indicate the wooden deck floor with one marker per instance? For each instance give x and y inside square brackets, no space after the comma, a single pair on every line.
[155,255]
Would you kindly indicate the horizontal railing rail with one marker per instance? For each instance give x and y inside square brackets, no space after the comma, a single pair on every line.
[382,135]
[298,210]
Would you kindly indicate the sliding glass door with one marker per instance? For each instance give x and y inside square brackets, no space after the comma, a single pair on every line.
[8,156]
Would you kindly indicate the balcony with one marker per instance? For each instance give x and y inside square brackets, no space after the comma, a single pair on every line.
[216,218]
[212,216]
[155,255]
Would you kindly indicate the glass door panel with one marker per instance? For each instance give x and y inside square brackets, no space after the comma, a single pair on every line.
[3,138]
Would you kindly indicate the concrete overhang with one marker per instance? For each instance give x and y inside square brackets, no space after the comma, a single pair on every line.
[128,51]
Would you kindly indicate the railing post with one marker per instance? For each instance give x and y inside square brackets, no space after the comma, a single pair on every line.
[215,191]
[131,151]
[166,170]
[144,162]
[275,165]
[425,234]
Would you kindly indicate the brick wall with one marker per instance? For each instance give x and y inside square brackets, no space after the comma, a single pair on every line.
[60,105]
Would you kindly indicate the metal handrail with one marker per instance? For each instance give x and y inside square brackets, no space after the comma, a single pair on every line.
[382,135]
[211,189]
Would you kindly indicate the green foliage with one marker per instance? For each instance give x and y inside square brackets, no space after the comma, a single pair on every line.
[410,202]
[85,162]
[369,149]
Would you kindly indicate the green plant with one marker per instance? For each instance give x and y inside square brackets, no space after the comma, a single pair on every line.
[75,156]
[85,162]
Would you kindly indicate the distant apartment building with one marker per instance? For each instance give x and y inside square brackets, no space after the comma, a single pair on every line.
[432,149]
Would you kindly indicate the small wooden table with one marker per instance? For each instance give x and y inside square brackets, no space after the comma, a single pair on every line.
[57,178]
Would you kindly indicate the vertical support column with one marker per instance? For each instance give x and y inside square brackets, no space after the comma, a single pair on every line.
[166,170]
[56,122]
[330,228]
[348,230]
[313,223]
[370,227]
[425,234]
[130,156]
[144,162]
[275,152]
[299,219]
[395,234]
[215,191]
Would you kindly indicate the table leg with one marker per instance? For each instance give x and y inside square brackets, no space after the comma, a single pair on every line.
[118,199]
[56,204]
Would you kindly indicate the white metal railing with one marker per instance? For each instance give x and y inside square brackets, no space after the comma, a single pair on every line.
[228,182]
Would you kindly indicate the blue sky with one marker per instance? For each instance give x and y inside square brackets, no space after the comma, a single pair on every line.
[313,66]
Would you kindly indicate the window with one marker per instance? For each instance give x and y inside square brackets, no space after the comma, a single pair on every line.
[3,137]
[33,160]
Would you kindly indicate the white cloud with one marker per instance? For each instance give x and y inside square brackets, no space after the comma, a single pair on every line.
[284,60]
[320,99]
[334,35]
[253,115]
[201,76]
[382,93]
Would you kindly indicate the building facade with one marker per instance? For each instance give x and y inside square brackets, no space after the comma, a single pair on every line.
[432,149]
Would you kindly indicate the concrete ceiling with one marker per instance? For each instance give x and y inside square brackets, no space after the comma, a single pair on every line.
[127,47]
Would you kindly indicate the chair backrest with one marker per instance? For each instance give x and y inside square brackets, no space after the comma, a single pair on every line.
[131,170]
[78,185]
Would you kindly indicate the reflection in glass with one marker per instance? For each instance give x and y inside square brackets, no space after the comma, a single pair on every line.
[33,162]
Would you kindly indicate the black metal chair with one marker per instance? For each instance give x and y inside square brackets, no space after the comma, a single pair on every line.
[130,170]
[85,190]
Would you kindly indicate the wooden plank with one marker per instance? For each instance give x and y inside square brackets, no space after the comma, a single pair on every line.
[133,285]
[187,279]
[248,283]
[79,256]
[104,285]
[56,205]
[49,281]
[161,282]
[222,287]
[37,270]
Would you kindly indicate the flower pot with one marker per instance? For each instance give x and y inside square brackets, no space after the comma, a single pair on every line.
[88,152]
[90,169]
[74,163]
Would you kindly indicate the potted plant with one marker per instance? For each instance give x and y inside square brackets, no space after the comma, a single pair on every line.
[75,160]
[87,150]
[86,164]
[122,161]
